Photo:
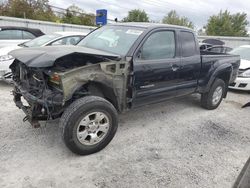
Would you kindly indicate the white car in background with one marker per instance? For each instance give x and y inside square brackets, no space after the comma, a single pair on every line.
[11,35]
[243,80]
[57,38]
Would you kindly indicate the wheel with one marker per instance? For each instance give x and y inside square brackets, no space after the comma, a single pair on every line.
[213,98]
[89,124]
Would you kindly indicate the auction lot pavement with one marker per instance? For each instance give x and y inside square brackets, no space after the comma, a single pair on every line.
[172,144]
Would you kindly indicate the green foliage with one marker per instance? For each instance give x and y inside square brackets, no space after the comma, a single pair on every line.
[136,15]
[226,24]
[75,15]
[173,18]
[28,8]
[40,10]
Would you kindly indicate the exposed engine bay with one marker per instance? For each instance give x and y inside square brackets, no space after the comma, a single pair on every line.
[32,84]
[50,87]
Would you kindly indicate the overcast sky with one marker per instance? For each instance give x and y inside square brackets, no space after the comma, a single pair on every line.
[198,11]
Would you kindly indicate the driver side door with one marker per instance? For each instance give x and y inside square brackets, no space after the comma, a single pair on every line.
[156,68]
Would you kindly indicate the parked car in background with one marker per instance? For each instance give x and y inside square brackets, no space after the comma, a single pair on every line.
[243,80]
[204,46]
[57,38]
[214,41]
[15,35]
[214,45]
[219,49]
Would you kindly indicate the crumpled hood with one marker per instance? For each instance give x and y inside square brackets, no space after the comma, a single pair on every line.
[46,56]
[244,64]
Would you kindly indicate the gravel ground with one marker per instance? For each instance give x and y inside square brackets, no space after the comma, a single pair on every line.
[172,144]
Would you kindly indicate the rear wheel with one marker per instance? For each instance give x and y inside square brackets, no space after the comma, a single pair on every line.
[89,124]
[212,99]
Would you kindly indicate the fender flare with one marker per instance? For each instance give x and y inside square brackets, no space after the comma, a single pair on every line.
[224,68]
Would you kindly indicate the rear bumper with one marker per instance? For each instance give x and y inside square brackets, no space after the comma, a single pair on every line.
[241,84]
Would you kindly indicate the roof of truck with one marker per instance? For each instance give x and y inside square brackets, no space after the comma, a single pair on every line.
[150,25]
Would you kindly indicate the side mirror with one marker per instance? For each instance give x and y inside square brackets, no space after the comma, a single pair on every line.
[139,54]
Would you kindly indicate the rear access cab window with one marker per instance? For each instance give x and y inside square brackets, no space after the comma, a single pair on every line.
[188,44]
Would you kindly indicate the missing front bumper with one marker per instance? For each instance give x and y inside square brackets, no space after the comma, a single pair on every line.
[37,109]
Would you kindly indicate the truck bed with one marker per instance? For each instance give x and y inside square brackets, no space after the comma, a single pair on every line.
[211,61]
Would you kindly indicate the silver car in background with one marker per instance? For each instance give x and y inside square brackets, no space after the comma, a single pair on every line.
[243,80]
[57,38]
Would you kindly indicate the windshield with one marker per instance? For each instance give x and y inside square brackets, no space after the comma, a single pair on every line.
[243,52]
[114,39]
[40,41]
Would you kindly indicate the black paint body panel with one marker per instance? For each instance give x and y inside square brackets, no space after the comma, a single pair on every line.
[149,81]
[157,80]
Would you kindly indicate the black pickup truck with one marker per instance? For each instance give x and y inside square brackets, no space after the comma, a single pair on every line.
[114,69]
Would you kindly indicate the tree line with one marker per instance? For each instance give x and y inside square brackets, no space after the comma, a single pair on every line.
[41,10]
[222,24]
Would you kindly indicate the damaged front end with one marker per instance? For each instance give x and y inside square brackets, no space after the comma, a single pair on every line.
[36,85]
[49,79]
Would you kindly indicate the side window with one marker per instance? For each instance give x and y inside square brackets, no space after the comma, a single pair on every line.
[159,45]
[216,49]
[11,35]
[28,35]
[188,44]
[4,35]
[59,42]
[74,40]
[67,41]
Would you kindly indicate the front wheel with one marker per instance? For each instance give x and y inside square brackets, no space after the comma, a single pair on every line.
[89,124]
[213,98]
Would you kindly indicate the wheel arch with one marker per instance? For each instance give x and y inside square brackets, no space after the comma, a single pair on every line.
[96,88]
[223,72]
[107,92]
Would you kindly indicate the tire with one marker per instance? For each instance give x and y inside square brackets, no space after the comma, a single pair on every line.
[88,125]
[207,101]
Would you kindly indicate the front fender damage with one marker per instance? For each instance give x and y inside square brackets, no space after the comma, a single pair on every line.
[111,74]
[47,97]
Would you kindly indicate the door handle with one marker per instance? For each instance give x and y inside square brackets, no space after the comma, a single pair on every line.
[175,67]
